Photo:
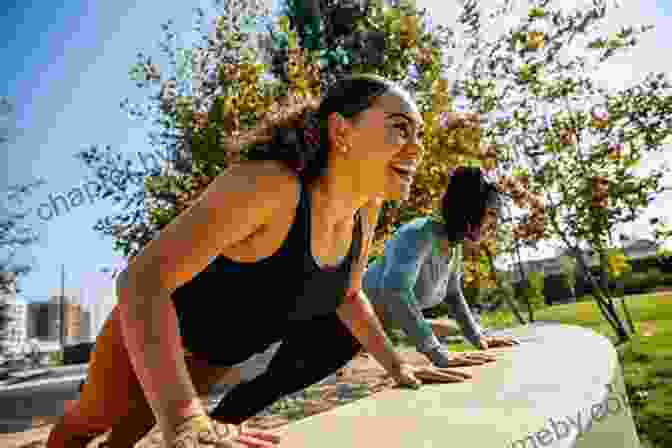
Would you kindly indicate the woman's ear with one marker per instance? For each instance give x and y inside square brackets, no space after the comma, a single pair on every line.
[338,128]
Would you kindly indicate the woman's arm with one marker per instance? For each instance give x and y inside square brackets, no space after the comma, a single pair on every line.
[410,251]
[236,204]
[460,309]
[356,311]
[458,305]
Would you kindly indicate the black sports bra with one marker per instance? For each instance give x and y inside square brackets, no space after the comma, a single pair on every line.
[232,310]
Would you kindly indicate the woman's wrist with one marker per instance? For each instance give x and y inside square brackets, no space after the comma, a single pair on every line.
[199,422]
[189,408]
[182,415]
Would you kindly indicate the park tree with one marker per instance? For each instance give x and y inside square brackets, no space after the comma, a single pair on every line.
[572,144]
[568,273]
[15,232]
[564,158]
[240,76]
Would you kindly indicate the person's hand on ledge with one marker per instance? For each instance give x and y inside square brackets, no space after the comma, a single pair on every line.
[414,376]
[487,342]
[442,357]
[200,432]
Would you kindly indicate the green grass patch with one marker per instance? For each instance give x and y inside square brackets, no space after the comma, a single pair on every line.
[646,360]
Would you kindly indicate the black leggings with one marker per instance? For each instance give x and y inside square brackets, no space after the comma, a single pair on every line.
[311,352]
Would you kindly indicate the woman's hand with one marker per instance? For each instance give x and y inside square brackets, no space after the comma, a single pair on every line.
[442,357]
[496,341]
[201,431]
[412,376]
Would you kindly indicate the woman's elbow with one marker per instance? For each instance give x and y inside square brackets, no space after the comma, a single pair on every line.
[127,289]
[121,287]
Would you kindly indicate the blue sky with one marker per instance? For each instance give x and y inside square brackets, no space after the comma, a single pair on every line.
[68,73]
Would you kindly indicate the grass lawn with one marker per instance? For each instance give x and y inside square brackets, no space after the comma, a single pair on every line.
[646,360]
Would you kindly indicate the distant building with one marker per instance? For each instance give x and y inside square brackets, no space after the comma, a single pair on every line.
[634,250]
[13,335]
[43,321]
[72,319]
[85,326]
[101,307]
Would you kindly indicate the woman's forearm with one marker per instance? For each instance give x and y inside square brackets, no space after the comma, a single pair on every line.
[358,315]
[150,331]
[463,315]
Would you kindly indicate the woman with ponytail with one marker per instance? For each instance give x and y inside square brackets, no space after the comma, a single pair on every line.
[422,266]
[281,238]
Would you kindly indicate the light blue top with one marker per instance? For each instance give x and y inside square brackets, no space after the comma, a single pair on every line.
[413,275]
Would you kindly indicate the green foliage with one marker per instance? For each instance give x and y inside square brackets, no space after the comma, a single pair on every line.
[472,294]
[501,318]
[15,233]
[55,359]
[534,289]
[568,270]
[500,294]
[585,298]
[642,282]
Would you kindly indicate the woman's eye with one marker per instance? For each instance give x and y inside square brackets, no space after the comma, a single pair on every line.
[403,128]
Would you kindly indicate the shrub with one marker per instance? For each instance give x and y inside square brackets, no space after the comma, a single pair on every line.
[654,278]
[534,290]
[55,359]
[667,279]
[641,282]
[439,310]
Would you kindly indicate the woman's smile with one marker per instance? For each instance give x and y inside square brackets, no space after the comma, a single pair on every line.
[405,171]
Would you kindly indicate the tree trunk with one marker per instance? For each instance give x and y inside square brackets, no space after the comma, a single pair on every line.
[508,299]
[523,277]
[607,308]
[628,316]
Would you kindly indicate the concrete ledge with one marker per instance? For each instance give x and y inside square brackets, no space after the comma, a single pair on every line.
[561,388]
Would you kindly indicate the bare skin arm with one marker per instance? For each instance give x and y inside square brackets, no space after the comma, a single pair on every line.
[233,207]
[357,313]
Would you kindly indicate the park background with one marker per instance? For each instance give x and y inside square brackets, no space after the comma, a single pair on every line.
[67,72]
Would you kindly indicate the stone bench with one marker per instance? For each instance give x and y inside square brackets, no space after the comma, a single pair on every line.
[536,395]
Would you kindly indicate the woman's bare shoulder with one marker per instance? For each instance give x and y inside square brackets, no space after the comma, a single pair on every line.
[236,204]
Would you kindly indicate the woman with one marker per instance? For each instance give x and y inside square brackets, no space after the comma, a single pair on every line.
[282,239]
[422,265]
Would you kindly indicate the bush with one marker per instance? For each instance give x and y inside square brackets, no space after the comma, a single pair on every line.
[667,279]
[55,359]
[533,290]
[642,282]
[497,296]
[472,295]
[434,312]
[654,278]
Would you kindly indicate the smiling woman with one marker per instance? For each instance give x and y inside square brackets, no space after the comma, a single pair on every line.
[290,227]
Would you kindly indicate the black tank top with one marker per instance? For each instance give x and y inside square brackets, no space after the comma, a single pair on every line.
[232,310]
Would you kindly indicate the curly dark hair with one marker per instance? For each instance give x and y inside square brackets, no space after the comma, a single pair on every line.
[464,203]
[299,137]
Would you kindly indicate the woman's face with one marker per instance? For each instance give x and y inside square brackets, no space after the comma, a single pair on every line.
[386,144]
